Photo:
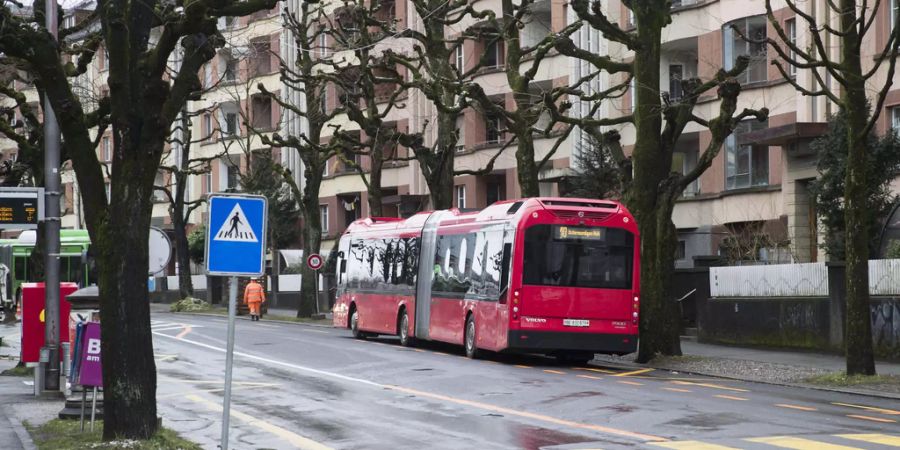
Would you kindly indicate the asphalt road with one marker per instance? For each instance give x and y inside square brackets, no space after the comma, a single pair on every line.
[301,386]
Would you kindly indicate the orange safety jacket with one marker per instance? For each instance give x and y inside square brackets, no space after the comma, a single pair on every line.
[254,293]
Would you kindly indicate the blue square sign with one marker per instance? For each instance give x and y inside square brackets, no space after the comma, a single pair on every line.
[236,235]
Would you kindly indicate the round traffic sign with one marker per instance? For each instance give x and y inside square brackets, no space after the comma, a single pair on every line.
[314,262]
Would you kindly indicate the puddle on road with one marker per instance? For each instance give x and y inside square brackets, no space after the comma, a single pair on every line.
[707,421]
[535,438]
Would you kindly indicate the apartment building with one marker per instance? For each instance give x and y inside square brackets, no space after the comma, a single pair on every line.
[757,187]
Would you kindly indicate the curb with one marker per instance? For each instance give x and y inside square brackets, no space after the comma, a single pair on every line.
[317,325]
[23,434]
[863,392]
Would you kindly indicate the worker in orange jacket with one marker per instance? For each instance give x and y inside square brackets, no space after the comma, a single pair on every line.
[254,295]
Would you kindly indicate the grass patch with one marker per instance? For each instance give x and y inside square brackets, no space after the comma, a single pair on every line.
[842,379]
[190,304]
[18,371]
[66,434]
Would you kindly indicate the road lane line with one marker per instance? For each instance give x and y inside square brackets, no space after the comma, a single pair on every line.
[187,330]
[801,408]
[710,385]
[633,372]
[798,443]
[889,412]
[589,377]
[676,389]
[522,366]
[591,369]
[692,445]
[871,419]
[730,397]
[478,405]
[294,438]
[554,371]
[528,415]
[633,383]
[880,439]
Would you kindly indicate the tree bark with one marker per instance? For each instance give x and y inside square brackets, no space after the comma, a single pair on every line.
[648,198]
[312,234]
[858,335]
[526,167]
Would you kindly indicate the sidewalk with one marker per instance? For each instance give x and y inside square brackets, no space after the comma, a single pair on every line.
[772,366]
[14,392]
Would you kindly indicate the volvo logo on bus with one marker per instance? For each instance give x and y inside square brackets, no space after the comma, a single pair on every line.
[535,319]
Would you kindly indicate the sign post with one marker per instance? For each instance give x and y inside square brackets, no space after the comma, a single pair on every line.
[235,246]
[315,263]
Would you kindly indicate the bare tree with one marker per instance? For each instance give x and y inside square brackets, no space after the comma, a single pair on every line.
[650,186]
[144,102]
[853,32]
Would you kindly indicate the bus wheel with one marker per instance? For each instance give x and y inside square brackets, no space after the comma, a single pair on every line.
[471,346]
[354,326]
[403,329]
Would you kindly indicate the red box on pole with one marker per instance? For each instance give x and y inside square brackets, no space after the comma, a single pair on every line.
[33,318]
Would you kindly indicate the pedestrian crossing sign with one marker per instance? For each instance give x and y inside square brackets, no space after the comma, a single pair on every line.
[235,242]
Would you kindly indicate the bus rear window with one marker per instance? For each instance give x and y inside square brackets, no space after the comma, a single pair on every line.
[586,257]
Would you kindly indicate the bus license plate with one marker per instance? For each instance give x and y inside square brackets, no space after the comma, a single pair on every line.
[576,323]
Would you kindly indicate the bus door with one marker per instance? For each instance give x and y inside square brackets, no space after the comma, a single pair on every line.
[492,319]
[425,275]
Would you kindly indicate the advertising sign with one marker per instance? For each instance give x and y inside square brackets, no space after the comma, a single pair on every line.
[90,370]
[33,318]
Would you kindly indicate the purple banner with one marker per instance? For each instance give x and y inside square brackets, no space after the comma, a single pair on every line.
[91,371]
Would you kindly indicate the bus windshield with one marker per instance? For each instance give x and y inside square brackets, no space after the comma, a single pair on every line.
[586,257]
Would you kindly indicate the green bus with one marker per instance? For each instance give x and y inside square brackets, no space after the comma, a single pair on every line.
[16,267]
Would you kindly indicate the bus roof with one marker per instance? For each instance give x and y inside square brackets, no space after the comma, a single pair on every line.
[29,237]
[502,210]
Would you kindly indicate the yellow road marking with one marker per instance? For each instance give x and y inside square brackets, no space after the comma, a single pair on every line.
[729,397]
[528,415]
[441,353]
[554,371]
[633,383]
[676,389]
[692,445]
[419,350]
[881,439]
[889,412]
[289,436]
[710,385]
[187,329]
[633,372]
[522,367]
[589,376]
[798,443]
[591,369]
[801,408]
[873,419]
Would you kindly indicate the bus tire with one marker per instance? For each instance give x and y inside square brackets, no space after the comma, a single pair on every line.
[403,329]
[469,341]
[354,325]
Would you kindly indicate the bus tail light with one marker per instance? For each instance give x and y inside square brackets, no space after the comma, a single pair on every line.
[637,307]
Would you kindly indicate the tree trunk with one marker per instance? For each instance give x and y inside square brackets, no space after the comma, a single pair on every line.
[185,283]
[376,207]
[649,198]
[440,177]
[659,312]
[526,167]
[858,335]
[312,239]
[128,364]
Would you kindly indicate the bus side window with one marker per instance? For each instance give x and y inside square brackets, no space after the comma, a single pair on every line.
[504,266]
[20,273]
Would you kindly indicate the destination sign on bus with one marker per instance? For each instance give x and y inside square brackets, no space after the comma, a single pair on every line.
[591,234]
[20,208]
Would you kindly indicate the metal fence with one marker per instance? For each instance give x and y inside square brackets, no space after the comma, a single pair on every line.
[796,280]
[780,280]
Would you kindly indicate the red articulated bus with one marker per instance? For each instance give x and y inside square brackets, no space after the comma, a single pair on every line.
[557,276]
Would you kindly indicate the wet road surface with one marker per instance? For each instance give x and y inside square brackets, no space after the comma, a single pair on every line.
[302,386]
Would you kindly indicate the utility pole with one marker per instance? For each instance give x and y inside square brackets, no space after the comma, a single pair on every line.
[50,364]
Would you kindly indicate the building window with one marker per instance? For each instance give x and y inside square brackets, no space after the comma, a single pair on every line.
[231,66]
[461,196]
[106,149]
[207,181]
[207,76]
[676,74]
[207,127]
[460,58]
[323,100]
[262,112]
[680,251]
[895,9]
[746,165]
[791,31]
[261,63]
[323,214]
[231,123]
[460,134]
[325,171]
[234,177]
[494,54]
[736,45]
[323,45]
[895,120]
